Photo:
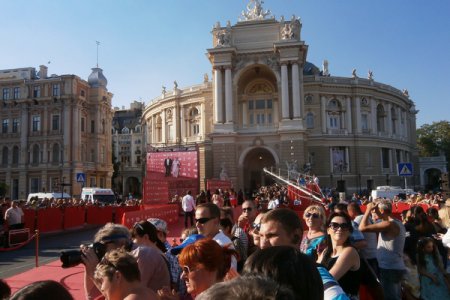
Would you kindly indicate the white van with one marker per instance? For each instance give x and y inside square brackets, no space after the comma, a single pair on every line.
[103,196]
[389,192]
[41,196]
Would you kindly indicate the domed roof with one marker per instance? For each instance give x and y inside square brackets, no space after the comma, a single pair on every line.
[97,79]
[310,69]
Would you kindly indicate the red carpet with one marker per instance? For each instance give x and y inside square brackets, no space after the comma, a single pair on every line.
[72,278]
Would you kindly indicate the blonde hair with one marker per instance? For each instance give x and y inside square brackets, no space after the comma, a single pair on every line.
[319,209]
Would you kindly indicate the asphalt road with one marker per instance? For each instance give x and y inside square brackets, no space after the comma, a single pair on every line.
[50,245]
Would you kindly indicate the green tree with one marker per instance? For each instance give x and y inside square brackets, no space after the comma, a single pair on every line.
[434,139]
[3,189]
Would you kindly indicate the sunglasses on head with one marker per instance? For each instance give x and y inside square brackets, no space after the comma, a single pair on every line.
[256,226]
[313,215]
[203,220]
[137,225]
[343,226]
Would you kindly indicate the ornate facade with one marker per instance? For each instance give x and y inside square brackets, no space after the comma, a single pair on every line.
[53,128]
[266,106]
[128,152]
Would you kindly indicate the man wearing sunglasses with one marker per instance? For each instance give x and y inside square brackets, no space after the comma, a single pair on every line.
[283,227]
[207,221]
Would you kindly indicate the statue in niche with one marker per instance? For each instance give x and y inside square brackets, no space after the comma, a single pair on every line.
[223,172]
[370,75]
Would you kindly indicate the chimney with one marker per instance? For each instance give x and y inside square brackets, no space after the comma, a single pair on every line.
[43,71]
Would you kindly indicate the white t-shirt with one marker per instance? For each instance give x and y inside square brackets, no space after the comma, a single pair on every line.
[188,203]
[13,215]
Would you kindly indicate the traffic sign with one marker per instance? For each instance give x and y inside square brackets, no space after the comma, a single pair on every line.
[81,177]
[405,169]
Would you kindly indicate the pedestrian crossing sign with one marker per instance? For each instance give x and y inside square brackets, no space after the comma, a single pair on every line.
[405,169]
[81,177]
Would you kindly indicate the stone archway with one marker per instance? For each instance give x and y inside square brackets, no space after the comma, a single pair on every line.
[432,178]
[254,162]
[133,186]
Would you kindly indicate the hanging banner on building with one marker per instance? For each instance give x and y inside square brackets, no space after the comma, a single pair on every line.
[173,163]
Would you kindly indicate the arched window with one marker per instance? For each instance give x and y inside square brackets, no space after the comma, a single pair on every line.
[258,104]
[380,118]
[194,122]
[334,110]
[309,120]
[55,153]
[5,156]
[137,129]
[125,130]
[158,129]
[103,126]
[35,154]
[15,158]
[393,120]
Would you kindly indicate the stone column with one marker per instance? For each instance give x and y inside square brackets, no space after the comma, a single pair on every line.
[218,101]
[323,107]
[276,117]
[389,119]
[284,92]
[399,128]
[349,115]
[244,114]
[23,136]
[358,114]
[175,122]
[202,128]
[163,127]
[76,133]
[228,96]
[296,91]
[373,106]
[183,122]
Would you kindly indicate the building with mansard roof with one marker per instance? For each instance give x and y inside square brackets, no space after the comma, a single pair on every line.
[56,132]
[267,106]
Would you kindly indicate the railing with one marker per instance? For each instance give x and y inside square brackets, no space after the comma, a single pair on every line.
[299,188]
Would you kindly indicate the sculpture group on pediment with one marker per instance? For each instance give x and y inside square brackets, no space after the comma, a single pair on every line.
[255,11]
[223,37]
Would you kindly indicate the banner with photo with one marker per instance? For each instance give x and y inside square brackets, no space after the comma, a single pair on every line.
[173,163]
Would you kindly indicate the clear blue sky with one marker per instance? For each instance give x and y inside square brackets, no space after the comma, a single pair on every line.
[148,43]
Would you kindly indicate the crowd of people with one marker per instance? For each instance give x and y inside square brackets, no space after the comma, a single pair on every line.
[331,250]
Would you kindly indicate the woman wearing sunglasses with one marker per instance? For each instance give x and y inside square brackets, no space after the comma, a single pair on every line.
[204,263]
[339,257]
[313,240]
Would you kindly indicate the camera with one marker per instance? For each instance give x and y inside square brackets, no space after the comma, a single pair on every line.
[72,258]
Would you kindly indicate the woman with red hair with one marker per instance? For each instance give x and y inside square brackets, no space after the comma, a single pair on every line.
[204,263]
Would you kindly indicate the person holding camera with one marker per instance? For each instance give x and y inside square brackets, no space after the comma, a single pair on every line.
[119,274]
[154,273]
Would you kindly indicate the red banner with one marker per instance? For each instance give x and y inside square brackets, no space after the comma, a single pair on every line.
[215,184]
[50,219]
[74,217]
[99,215]
[168,213]
[182,163]
[120,210]
[30,219]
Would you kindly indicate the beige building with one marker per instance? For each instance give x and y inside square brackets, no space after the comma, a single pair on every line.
[55,129]
[267,106]
[128,149]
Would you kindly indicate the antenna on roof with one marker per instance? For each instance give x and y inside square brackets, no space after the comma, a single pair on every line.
[98,44]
